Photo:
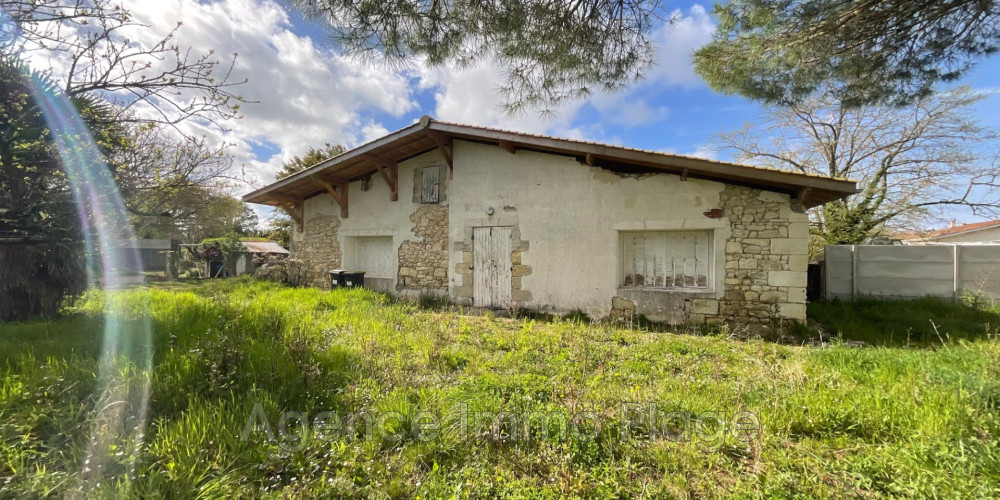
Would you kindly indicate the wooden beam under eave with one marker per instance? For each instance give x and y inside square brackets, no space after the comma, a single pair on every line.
[684,174]
[445,144]
[508,146]
[590,159]
[297,211]
[340,198]
[391,179]
[801,194]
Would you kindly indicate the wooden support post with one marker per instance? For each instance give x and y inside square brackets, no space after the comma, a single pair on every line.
[343,196]
[391,179]
[340,198]
[394,175]
[444,143]
[508,146]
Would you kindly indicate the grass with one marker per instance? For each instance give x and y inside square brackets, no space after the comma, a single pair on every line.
[922,322]
[835,422]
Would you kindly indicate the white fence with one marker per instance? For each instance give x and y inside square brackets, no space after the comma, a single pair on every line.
[911,271]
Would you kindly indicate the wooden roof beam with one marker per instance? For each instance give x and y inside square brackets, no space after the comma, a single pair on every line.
[391,178]
[590,159]
[340,198]
[445,144]
[508,146]
[297,211]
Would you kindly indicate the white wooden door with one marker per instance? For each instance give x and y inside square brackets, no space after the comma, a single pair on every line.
[491,267]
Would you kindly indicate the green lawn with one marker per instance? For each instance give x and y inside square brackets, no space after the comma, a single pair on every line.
[834,421]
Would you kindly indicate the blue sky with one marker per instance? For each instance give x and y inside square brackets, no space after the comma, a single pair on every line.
[308,94]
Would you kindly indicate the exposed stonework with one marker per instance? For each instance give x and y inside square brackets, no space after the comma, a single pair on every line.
[423,265]
[765,270]
[319,249]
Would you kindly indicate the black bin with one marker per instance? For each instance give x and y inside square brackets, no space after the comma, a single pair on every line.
[353,279]
[336,278]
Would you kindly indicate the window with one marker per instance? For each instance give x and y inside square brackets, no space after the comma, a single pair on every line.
[374,255]
[667,259]
[429,194]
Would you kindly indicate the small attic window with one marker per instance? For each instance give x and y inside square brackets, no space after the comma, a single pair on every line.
[431,185]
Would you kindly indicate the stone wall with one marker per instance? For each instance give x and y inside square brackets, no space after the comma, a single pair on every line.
[318,249]
[423,265]
[765,269]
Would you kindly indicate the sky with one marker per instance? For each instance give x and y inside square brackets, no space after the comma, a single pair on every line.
[307,94]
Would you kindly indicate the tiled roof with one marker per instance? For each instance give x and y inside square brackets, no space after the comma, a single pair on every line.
[953,230]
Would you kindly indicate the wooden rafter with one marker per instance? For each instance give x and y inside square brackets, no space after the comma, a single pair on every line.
[340,198]
[684,174]
[801,194]
[508,146]
[444,143]
[391,176]
[590,159]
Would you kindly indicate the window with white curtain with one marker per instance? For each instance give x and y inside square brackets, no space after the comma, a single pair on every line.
[666,259]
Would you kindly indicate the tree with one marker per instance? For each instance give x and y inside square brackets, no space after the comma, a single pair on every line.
[890,51]
[309,159]
[165,179]
[116,85]
[41,256]
[280,225]
[549,51]
[911,162]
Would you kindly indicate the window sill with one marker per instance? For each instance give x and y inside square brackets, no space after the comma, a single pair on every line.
[705,291]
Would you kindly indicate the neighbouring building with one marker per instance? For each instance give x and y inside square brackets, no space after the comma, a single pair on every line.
[493,218]
[256,253]
[985,233]
[146,254]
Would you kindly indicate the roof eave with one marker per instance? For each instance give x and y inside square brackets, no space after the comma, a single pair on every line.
[811,190]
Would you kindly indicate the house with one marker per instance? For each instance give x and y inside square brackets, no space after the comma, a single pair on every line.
[255,253]
[987,232]
[501,219]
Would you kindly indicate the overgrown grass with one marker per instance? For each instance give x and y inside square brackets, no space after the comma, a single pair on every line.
[921,322]
[835,421]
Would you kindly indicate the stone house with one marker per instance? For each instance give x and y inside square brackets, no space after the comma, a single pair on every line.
[493,218]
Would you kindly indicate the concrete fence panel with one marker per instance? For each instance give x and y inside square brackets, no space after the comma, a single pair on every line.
[911,271]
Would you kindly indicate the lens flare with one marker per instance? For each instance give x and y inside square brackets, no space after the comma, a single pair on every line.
[123,380]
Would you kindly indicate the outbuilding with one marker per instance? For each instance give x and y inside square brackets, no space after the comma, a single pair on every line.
[501,219]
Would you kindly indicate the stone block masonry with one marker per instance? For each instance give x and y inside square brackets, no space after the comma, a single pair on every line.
[318,249]
[765,265]
[423,265]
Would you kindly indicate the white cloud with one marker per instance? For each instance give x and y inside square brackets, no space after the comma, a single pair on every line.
[307,95]
[470,95]
[675,44]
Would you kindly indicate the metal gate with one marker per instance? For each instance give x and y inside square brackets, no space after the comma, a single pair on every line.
[491,267]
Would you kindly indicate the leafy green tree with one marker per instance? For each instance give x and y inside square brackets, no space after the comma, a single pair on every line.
[41,253]
[279,227]
[118,86]
[309,159]
[910,162]
[549,51]
[891,51]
